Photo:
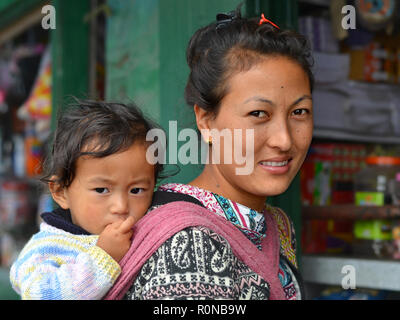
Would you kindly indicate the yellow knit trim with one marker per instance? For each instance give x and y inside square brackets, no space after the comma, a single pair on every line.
[105,262]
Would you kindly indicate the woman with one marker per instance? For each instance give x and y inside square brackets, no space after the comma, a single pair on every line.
[250,75]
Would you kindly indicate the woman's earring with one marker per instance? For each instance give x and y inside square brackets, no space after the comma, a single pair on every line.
[210,141]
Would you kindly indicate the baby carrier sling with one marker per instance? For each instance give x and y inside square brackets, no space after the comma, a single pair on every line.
[179,211]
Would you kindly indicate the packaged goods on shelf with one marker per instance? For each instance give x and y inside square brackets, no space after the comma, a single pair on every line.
[379,229]
[358,107]
[398,65]
[374,184]
[373,238]
[331,68]
[395,189]
[328,172]
[313,237]
[319,32]
[396,240]
[327,236]
[338,293]
[375,62]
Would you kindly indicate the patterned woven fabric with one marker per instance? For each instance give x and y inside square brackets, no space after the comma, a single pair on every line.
[249,221]
[198,264]
[286,235]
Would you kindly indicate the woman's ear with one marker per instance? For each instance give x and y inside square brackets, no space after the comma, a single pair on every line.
[58,194]
[203,121]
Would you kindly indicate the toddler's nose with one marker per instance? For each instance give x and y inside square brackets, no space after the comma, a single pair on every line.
[120,205]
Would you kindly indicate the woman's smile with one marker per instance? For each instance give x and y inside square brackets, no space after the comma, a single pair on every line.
[277,166]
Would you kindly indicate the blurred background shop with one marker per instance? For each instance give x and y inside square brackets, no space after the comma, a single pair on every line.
[345,202]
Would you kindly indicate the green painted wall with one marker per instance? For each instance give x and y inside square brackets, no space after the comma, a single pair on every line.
[133,54]
[70,53]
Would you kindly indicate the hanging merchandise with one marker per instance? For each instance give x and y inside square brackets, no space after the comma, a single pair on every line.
[3,104]
[36,111]
[6,79]
[38,105]
[33,152]
[5,83]
[376,15]
[14,203]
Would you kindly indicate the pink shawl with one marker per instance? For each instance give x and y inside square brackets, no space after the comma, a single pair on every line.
[160,224]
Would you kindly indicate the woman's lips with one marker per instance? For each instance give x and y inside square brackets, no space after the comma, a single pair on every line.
[276,166]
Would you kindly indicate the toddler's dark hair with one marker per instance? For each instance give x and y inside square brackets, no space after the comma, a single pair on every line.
[97,129]
[219,50]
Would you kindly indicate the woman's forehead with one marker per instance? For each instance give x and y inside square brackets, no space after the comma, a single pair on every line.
[269,80]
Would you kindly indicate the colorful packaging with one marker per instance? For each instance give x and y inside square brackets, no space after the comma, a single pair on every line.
[378,229]
[314,236]
[369,198]
[375,63]
[326,236]
[327,175]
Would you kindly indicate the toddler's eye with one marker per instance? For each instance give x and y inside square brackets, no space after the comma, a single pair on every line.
[136,190]
[101,190]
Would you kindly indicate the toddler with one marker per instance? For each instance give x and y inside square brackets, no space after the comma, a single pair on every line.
[98,175]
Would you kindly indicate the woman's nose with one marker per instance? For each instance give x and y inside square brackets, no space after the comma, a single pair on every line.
[280,136]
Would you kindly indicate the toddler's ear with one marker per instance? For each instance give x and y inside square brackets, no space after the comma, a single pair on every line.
[58,194]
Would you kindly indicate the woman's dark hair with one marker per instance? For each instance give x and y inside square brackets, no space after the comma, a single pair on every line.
[96,129]
[234,44]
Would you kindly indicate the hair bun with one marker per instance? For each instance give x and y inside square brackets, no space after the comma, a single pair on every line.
[225,18]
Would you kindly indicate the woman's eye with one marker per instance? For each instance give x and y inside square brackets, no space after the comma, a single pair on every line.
[136,190]
[101,190]
[301,112]
[258,114]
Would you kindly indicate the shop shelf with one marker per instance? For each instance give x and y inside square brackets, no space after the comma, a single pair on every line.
[371,273]
[351,212]
[330,134]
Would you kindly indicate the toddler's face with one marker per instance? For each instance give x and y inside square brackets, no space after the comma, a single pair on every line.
[107,189]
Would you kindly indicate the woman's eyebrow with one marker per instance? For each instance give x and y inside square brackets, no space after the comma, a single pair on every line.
[264,100]
[259,99]
[306,96]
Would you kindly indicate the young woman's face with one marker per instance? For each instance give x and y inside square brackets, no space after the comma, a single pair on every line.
[273,98]
[105,190]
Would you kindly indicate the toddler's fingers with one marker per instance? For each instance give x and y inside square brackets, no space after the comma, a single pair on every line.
[127,225]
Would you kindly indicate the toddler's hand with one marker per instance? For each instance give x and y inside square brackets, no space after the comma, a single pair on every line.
[116,238]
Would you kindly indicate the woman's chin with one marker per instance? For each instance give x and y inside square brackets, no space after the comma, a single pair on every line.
[272,188]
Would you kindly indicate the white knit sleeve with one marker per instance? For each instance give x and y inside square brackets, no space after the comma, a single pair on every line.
[63,270]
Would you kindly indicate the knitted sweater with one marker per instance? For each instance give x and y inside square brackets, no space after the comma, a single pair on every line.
[63,265]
